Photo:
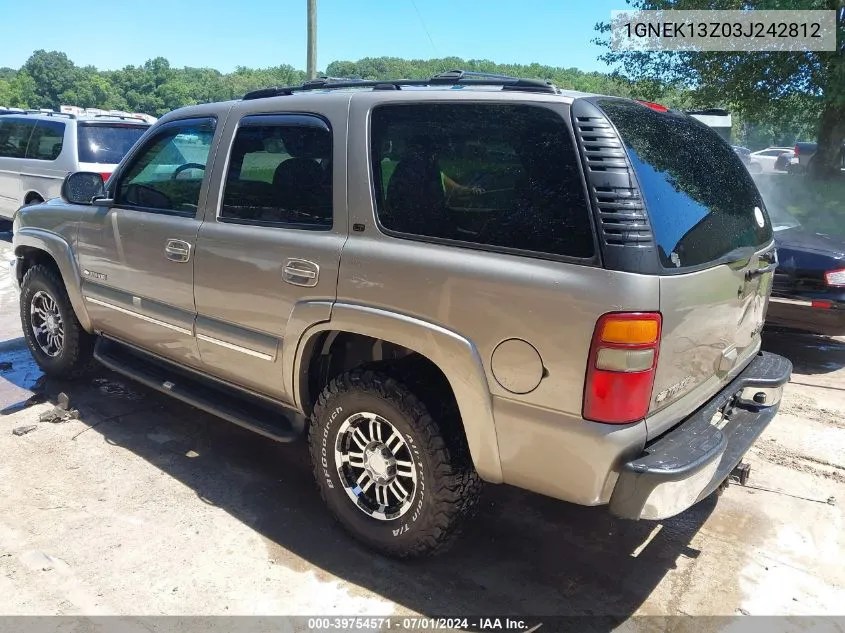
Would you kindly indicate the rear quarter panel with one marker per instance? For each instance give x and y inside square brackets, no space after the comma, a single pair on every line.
[489,298]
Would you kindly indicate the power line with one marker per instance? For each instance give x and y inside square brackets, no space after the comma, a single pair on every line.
[425,28]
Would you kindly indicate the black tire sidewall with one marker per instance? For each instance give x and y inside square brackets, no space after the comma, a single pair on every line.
[65,362]
[397,535]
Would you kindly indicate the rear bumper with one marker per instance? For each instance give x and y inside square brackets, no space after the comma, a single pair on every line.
[689,462]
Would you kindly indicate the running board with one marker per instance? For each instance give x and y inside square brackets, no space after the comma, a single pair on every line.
[186,385]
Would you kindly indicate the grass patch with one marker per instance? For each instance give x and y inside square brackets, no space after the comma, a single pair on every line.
[818,205]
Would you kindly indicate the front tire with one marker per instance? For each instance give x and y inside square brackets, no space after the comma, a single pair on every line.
[384,467]
[54,335]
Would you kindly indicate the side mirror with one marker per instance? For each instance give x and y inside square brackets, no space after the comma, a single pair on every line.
[82,187]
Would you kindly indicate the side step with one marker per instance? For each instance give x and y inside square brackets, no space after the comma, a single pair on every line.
[226,402]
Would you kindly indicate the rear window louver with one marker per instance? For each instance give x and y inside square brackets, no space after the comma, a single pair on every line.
[622,216]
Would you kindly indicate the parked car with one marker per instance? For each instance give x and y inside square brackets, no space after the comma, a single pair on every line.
[805,151]
[766,158]
[783,161]
[809,284]
[39,148]
[507,282]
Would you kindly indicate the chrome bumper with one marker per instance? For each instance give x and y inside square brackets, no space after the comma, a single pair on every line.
[688,463]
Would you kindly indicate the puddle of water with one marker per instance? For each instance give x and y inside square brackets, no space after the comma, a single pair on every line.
[116,389]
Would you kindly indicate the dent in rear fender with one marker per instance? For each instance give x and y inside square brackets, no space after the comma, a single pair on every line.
[455,355]
[57,247]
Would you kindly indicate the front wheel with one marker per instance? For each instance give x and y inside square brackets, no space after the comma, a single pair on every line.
[384,467]
[53,333]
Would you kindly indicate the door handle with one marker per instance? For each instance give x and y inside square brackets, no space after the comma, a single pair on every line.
[759,272]
[770,258]
[177,250]
[301,272]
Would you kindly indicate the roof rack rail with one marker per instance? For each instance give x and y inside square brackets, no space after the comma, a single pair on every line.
[46,112]
[119,116]
[453,78]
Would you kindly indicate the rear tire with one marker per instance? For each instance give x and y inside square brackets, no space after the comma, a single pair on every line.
[359,415]
[56,339]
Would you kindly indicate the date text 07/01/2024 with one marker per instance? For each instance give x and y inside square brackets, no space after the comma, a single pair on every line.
[418,623]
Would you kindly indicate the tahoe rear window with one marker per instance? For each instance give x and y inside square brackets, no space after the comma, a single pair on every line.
[701,200]
[107,143]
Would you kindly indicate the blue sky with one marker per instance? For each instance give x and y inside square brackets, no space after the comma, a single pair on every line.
[223,34]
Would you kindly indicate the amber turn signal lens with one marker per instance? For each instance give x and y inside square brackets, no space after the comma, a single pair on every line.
[630,331]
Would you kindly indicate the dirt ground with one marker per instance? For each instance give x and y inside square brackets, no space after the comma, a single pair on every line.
[146,506]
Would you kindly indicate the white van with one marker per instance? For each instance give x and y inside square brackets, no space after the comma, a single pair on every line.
[38,149]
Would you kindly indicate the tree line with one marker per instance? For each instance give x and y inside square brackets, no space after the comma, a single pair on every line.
[49,79]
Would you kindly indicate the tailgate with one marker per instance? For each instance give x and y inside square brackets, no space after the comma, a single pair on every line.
[711,245]
[711,330]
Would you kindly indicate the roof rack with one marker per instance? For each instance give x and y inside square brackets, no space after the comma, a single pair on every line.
[46,112]
[131,117]
[453,78]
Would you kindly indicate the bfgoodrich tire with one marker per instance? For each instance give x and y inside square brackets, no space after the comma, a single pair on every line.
[53,333]
[385,469]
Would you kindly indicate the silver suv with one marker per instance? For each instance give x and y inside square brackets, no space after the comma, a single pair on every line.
[39,148]
[440,282]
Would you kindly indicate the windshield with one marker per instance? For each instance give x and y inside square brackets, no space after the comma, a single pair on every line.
[701,200]
[107,143]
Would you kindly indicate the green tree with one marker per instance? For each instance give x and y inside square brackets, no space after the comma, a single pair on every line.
[19,92]
[53,74]
[5,92]
[766,88]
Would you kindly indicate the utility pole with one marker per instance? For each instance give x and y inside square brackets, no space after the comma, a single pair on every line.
[312,39]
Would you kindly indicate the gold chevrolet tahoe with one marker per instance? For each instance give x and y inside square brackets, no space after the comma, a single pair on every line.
[440,282]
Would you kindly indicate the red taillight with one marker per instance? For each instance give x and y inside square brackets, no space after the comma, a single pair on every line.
[105,175]
[796,150]
[835,278]
[620,373]
[653,106]
[822,305]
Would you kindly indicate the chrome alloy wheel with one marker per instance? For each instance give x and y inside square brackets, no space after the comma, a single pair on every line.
[46,323]
[375,466]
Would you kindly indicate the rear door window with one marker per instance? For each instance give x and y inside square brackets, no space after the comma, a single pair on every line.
[702,202]
[14,136]
[492,175]
[280,173]
[46,141]
[106,143]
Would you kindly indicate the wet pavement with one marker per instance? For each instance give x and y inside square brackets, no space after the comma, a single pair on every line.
[147,506]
